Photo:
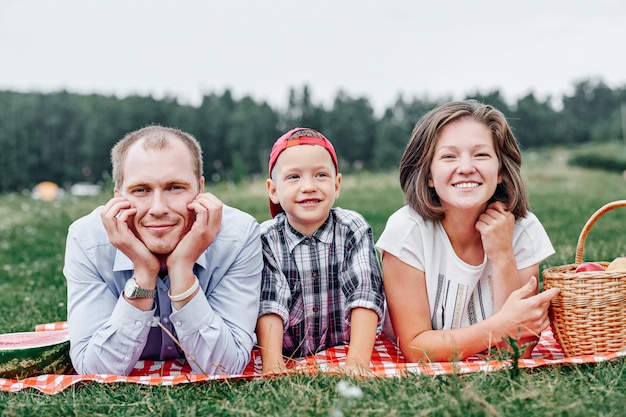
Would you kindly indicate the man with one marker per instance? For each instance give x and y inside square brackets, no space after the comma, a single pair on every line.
[163,270]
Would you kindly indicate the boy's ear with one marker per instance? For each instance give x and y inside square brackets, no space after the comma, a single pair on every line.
[271,190]
[337,185]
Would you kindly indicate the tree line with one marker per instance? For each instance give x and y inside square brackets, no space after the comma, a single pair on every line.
[65,137]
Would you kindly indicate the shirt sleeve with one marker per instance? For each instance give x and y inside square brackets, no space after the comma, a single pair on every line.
[363,283]
[107,334]
[217,330]
[275,292]
[403,237]
[531,242]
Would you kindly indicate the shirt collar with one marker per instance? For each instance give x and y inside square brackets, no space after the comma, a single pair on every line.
[324,234]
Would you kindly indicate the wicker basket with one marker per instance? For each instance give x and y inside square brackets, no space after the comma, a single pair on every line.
[589,315]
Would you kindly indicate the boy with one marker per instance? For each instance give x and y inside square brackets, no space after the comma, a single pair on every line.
[321,283]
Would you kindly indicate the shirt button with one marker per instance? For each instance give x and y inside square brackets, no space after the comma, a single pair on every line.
[165,320]
[138,324]
[170,348]
[178,323]
[316,309]
[126,358]
[314,274]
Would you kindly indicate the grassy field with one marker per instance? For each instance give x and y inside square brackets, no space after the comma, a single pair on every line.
[32,291]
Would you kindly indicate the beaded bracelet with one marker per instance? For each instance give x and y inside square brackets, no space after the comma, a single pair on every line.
[186,294]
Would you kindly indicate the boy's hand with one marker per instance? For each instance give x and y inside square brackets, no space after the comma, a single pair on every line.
[354,368]
[278,368]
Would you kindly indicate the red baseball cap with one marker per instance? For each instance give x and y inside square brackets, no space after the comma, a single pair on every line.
[307,138]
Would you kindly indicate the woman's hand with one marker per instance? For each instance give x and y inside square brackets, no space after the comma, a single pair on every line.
[525,313]
[496,226]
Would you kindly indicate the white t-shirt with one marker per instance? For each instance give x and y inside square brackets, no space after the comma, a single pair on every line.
[459,294]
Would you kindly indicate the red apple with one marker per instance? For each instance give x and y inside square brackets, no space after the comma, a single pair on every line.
[589,267]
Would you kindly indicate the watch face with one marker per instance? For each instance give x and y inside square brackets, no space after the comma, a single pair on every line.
[129,288]
[132,290]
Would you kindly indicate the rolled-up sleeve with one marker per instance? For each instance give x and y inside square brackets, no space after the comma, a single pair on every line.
[363,279]
[275,292]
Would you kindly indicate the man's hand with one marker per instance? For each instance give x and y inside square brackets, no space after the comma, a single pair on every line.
[117,217]
[208,220]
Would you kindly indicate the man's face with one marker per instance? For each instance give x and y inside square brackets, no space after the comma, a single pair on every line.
[160,183]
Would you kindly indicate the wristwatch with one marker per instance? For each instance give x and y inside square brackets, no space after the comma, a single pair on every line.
[132,290]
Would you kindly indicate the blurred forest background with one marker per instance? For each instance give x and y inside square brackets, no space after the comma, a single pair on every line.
[66,138]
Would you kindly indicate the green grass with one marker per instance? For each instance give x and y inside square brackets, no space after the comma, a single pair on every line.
[32,291]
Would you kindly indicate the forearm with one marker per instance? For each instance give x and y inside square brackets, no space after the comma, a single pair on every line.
[213,344]
[454,344]
[362,337]
[515,279]
[270,338]
[506,279]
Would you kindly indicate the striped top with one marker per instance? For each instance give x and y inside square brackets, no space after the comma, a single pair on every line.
[459,294]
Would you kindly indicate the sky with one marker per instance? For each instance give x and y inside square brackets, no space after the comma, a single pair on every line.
[377,49]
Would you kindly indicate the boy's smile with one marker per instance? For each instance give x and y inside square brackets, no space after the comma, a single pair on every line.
[309,202]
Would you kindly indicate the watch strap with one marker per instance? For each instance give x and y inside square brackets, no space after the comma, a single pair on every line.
[144,293]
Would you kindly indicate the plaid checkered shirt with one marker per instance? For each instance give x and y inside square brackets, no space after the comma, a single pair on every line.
[314,282]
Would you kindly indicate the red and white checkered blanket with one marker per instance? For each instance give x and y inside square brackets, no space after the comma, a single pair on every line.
[387,361]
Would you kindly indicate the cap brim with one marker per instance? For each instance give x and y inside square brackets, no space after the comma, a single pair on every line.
[275,209]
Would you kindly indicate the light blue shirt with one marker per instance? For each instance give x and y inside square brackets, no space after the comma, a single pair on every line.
[108,335]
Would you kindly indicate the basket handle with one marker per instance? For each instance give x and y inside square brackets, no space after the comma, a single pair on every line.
[583,234]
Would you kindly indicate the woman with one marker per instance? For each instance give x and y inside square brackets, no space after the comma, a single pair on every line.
[460,261]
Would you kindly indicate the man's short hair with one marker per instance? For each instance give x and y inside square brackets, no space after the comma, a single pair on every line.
[154,137]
